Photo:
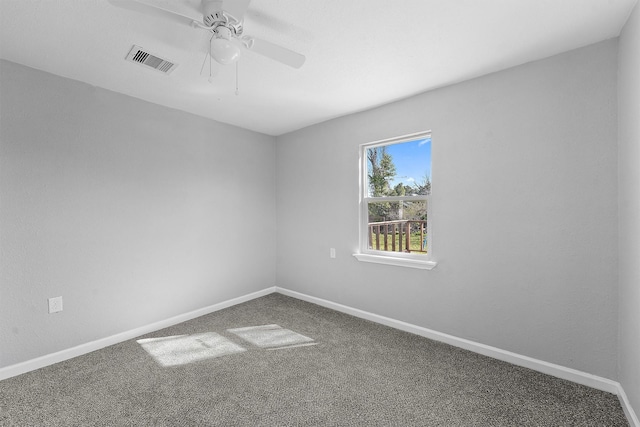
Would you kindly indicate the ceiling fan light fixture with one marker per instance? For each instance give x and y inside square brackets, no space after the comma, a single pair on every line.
[222,49]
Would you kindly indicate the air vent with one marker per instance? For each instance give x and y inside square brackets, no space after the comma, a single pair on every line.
[141,56]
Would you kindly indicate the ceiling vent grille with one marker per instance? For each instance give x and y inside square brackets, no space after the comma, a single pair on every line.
[141,56]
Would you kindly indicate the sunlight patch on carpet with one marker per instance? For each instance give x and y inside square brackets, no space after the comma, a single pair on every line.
[182,349]
[272,337]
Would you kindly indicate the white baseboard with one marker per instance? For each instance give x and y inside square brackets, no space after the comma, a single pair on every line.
[50,359]
[580,377]
[628,409]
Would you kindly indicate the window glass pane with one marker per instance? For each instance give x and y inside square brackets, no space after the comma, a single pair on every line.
[399,169]
[398,226]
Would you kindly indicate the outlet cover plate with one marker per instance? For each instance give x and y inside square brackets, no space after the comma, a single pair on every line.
[55,304]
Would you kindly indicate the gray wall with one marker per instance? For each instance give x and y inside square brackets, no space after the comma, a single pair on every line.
[524,211]
[134,213]
[629,205]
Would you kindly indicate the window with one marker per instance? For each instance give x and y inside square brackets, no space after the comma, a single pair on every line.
[395,187]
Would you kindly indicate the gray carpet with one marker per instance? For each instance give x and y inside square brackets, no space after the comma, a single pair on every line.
[305,366]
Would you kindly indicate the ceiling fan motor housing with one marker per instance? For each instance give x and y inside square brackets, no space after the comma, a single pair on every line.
[211,19]
[219,18]
[213,14]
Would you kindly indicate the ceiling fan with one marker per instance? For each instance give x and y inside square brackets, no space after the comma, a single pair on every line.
[225,20]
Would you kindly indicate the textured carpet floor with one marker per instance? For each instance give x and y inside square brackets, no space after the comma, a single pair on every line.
[344,371]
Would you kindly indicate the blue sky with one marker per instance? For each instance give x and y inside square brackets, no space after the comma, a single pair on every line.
[412,160]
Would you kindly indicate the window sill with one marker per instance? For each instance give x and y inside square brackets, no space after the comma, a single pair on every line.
[398,262]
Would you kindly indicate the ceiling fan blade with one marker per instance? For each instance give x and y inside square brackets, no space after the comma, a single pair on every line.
[277,53]
[237,8]
[152,10]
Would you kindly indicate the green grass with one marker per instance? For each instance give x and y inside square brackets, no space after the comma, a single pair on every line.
[414,241]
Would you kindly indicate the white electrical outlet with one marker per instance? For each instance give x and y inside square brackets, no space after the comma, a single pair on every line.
[55,304]
[332,252]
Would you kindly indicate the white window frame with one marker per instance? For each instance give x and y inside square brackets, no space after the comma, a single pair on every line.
[399,259]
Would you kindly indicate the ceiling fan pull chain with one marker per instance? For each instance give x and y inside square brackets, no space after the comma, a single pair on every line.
[204,62]
[210,79]
[210,66]
[237,88]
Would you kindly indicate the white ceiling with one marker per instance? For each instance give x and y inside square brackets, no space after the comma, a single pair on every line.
[359,53]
